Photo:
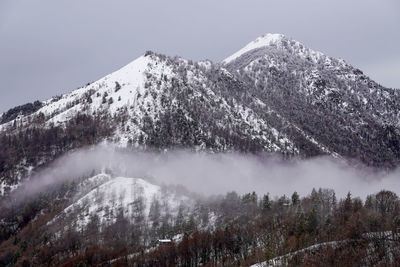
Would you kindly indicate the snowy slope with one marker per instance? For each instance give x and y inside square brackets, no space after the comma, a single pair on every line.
[110,197]
[131,79]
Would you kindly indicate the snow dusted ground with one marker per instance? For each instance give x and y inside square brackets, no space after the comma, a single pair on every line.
[120,194]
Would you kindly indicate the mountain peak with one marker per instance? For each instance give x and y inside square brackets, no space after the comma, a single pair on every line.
[280,42]
[264,40]
[270,38]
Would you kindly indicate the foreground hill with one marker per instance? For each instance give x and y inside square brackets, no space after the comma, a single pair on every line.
[119,221]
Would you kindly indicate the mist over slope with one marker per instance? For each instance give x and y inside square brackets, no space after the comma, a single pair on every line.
[209,174]
[107,204]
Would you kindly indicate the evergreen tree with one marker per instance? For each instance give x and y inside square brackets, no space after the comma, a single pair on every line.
[295,198]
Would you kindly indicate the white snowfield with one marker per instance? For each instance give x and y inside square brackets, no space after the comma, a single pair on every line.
[120,194]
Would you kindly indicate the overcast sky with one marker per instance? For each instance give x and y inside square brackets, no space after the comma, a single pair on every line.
[50,47]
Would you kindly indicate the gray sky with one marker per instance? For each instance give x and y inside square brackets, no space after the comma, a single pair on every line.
[50,47]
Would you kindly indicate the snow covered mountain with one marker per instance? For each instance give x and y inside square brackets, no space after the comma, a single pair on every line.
[274,95]
[192,102]
[325,98]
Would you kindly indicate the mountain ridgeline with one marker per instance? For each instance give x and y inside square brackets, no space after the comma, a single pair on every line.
[274,95]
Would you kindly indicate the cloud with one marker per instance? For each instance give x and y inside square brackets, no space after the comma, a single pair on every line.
[210,174]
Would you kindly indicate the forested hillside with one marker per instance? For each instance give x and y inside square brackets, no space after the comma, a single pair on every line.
[235,230]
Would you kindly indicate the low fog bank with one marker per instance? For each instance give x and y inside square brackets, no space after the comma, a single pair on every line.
[210,174]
